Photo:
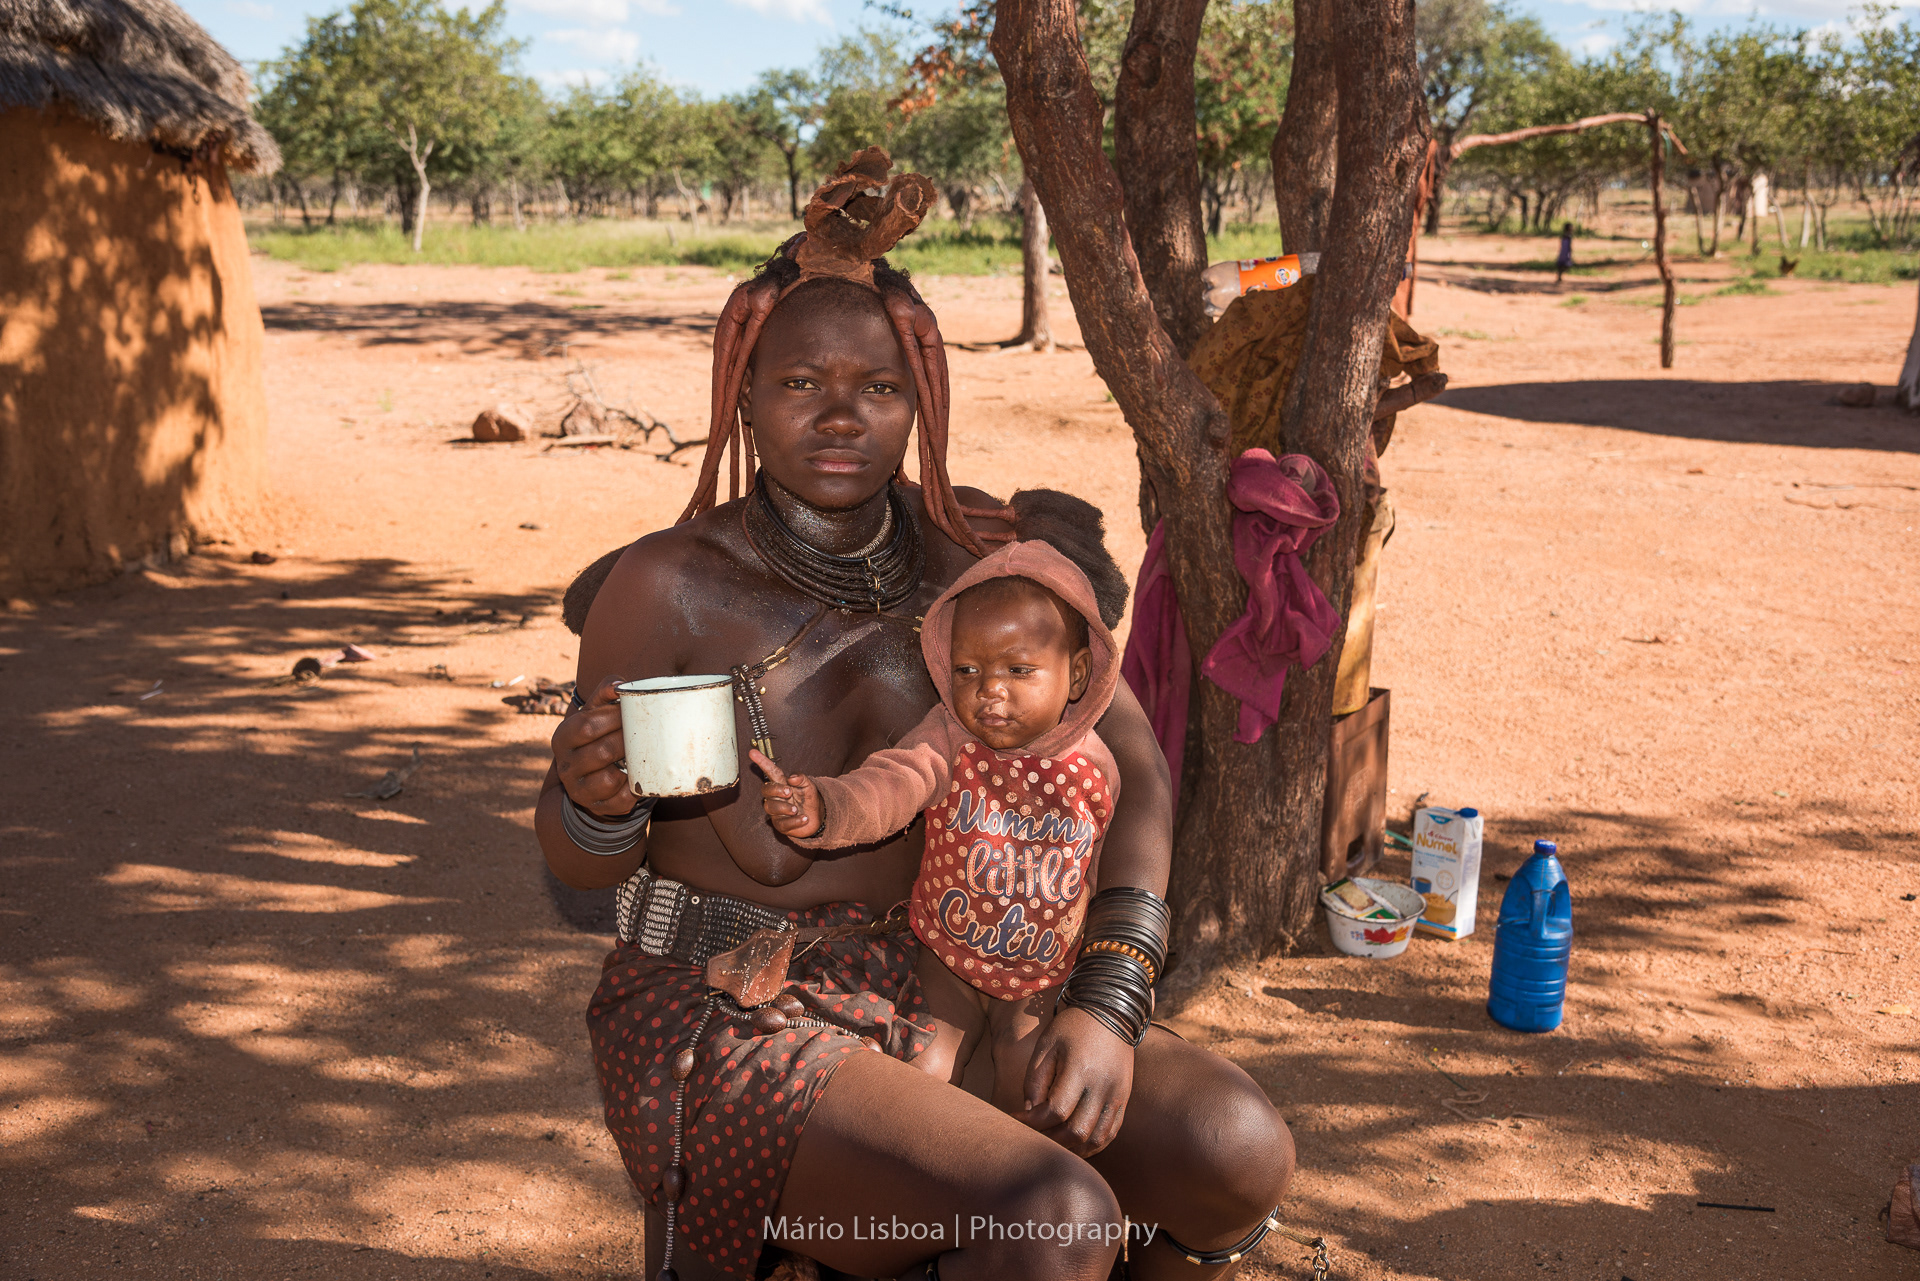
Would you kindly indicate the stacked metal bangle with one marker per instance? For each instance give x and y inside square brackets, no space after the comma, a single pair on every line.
[604,836]
[1123,952]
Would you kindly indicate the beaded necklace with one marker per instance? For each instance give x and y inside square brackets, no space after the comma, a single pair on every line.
[880,576]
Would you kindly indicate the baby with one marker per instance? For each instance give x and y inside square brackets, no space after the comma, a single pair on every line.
[1017,789]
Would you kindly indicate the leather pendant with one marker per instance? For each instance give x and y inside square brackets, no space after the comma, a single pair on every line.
[667,1274]
[753,972]
[674,1184]
[683,1063]
[789,1004]
[870,1043]
[768,1021]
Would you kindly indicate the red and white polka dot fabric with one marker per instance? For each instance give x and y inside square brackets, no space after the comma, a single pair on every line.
[750,1093]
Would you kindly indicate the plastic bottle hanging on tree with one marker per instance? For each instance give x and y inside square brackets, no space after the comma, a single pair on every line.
[1225,281]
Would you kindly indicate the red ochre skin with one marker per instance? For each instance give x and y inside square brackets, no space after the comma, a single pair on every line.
[1170,1134]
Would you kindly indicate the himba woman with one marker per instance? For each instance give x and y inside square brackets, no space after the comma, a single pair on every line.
[796,1122]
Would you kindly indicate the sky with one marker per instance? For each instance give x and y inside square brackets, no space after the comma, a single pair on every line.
[721,46]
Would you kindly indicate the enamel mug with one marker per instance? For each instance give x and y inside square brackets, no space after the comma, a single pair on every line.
[679,735]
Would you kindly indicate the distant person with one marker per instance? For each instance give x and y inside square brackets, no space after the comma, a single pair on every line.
[1565,260]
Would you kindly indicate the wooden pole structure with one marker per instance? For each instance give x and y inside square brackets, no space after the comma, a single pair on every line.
[1438,164]
[1657,168]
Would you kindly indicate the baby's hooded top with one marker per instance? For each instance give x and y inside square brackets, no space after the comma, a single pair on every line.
[1012,837]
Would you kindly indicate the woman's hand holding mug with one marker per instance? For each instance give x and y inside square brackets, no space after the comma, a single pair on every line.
[588,750]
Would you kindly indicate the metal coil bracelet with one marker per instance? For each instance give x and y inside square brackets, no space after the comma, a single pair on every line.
[1122,954]
[604,836]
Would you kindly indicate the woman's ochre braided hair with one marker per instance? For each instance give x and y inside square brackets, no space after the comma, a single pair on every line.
[855,217]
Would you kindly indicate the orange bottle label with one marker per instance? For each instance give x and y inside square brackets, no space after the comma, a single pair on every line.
[1269,273]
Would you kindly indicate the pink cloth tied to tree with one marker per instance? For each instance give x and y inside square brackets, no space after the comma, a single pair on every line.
[1284,505]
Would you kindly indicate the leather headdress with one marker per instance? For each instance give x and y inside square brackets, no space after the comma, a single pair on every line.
[852,221]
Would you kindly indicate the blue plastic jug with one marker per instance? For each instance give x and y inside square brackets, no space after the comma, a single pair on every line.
[1528,988]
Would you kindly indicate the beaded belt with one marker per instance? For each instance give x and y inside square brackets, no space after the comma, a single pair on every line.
[668,918]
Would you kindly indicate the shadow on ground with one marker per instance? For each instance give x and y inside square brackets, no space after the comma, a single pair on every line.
[244,1016]
[1801,412]
[245,1013]
[530,328]
[1651,1083]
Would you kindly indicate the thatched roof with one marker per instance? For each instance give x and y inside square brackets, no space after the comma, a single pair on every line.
[142,70]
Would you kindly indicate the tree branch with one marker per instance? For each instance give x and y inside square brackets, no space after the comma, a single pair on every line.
[1304,152]
[1572,126]
[1156,149]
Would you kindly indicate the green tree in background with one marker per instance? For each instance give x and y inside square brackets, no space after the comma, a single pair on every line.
[1475,60]
[860,78]
[434,81]
[1240,81]
[784,110]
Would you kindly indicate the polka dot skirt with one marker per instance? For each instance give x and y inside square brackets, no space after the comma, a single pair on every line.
[750,1094]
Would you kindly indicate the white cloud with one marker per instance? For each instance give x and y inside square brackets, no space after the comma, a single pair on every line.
[248,9]
[609,11]
[794,10]
[607,43]
[1594,44]
[1780,12]
[580,10]
[580,77]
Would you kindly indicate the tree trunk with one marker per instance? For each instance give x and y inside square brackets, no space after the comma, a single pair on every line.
[403,198]
[1806,208]
[513,201]
[1249,828]
[1035,332]
[420,215]
[300,194]
[1383,137]
[1442,161]
[1656,172]
[689,203]
[1907,392]
[1719,213]
[1156,150]
[1304,152]
[793,181]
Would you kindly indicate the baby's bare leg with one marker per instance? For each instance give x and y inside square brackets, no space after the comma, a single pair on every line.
[1013,1029]
[959,1013]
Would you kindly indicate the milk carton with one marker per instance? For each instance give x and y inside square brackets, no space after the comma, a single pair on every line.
[1446,869]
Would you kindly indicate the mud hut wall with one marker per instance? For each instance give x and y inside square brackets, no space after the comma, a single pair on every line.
[132,400]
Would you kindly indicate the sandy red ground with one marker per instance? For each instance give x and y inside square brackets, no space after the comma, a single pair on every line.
[258,1027]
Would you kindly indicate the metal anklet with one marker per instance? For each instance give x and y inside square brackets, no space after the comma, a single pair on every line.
[1231,1254]
[1322,1261]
